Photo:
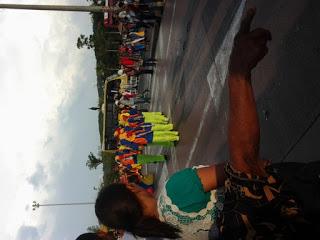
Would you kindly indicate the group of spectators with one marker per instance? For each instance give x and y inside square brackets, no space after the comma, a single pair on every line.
[136,128]
[135,17]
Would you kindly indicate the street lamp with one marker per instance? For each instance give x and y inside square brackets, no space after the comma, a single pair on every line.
[92,8]
[36,205]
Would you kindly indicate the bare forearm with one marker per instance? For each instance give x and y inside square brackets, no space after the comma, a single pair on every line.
[212,177]
[244,130]
[249,48]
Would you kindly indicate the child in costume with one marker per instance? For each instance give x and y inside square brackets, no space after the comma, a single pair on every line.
[141,136]
[135,157]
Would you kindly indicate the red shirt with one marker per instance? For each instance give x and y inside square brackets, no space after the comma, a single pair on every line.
[126,61]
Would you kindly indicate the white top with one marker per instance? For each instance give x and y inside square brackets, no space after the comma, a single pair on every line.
[122,14]
[129,236]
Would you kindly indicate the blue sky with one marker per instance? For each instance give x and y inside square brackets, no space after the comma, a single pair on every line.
[47,131]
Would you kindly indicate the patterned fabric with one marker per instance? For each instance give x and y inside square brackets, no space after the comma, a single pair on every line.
[255,208]
[192,224]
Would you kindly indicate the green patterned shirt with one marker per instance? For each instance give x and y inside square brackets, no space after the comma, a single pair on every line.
[184,204]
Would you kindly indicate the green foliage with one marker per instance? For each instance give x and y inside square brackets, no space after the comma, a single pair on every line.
[93,162]
[110,174]
[93,229]
[100,122]
[103,41]
[109,168]
[85,41]
[106,61]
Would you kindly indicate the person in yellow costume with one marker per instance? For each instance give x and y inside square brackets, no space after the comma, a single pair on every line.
[133,118]
[141,136]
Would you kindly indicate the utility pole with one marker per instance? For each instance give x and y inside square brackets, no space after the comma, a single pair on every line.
[59,7]
[36,205]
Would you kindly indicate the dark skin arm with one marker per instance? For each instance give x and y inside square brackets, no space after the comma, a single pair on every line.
[212,177]
[244,130]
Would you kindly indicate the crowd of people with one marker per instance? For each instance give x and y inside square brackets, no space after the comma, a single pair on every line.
[137,128]
[244,198]
[135,18]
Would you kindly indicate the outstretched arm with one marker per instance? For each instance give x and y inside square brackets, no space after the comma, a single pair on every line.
[244,131]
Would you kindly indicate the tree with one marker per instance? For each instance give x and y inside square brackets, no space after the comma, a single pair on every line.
[93,229]
[94,108]
[93,162]
[85,41]
[110,174]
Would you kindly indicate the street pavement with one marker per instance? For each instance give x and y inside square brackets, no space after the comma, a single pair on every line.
[193,47]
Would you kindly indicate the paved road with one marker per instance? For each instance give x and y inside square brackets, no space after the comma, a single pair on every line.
[194,41]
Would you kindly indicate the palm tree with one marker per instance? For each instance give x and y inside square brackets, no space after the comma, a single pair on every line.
[85,41]
[93,162]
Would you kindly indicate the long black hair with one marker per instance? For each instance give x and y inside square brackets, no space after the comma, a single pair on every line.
[95,236]
[118,207]
[88,236]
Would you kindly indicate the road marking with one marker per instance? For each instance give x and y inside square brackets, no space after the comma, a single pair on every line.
[215,84]
[173,155]
[159,51]
[171,26]
[196,139]
[218,72]
[217,75]
[162,179]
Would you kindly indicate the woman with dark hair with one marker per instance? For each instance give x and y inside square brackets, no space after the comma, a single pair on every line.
[130,208]
[95,236]
[121,207]
[88,236]
[186,207]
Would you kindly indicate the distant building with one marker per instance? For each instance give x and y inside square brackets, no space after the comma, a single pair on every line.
[110,118]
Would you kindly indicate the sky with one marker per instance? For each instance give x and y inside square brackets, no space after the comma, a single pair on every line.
[47,130]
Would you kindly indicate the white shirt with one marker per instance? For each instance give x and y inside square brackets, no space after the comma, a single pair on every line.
[129,236]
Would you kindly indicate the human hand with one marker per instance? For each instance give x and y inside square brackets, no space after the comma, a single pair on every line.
[249,47]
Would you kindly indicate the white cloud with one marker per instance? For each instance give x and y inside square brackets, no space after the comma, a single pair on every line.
[28,233]
[39,63]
